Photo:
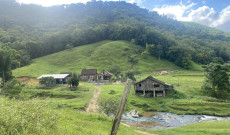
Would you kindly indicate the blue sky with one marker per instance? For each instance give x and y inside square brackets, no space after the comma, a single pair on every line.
[214,13]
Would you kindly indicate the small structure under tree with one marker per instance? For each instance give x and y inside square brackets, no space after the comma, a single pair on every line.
[152,87]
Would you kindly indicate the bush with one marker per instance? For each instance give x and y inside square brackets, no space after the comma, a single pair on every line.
[109,106]
[47,81]
[26,117]
[12,88]
[74,80]
[175,94]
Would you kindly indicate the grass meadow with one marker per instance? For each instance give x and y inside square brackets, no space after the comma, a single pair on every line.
[69,106]
[101,55]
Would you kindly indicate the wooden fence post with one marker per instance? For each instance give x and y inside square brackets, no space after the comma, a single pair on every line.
[121,107]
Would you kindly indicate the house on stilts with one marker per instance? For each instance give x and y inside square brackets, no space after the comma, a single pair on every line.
[152,87]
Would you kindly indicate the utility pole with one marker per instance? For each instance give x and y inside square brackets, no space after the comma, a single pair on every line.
[121,107]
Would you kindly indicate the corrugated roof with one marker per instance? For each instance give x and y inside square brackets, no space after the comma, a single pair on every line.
[151,78]
[89,72]
[55,76]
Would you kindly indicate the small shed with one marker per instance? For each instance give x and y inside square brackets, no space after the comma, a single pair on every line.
[60,78]
[104,75]
[88,74]
[152,87]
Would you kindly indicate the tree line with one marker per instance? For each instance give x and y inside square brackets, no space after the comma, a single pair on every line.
[43,31]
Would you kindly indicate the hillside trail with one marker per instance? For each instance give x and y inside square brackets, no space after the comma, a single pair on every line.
[93,105]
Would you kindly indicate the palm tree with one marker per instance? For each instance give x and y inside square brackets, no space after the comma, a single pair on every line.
[132,60]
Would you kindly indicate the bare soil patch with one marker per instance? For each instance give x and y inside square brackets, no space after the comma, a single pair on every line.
[26,79]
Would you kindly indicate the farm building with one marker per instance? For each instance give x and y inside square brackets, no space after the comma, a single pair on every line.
[104,75]
[152,87]
[88,75]
[60,78]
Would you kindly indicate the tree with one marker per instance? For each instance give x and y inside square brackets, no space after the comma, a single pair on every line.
[47,81]
[132,60]
[74,80]
[217,80]
[5,66]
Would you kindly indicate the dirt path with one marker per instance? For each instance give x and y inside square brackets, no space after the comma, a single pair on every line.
[93,108]
[144,133]
[138,131]
[93,105]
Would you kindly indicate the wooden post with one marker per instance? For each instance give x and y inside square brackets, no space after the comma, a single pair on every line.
[121,107]
[154,93]
[163,93]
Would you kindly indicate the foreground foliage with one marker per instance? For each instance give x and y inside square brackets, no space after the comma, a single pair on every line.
[12,88]
[27,117]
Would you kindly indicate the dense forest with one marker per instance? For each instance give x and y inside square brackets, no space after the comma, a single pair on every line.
[31,31]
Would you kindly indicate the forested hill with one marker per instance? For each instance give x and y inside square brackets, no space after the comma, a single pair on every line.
[35,31]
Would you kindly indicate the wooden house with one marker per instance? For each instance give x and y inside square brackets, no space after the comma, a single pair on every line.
[152,87]
[104,76]
[88,75]
[60,78]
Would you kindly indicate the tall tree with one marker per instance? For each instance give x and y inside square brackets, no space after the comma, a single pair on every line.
[217,80]
[5,65]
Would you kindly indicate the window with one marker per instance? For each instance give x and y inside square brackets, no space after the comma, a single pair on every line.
[139,84]
[156,85]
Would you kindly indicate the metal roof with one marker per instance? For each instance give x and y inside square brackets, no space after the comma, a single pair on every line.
[55,76]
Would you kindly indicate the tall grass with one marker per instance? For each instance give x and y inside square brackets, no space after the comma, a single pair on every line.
[26,117]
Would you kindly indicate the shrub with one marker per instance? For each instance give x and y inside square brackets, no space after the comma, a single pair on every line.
[26,117]
[47,81]
[74,80]
[109,106]
[12,88]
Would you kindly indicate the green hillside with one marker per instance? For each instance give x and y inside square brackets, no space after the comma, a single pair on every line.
[100,55]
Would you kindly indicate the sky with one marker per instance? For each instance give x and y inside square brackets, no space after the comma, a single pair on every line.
[213,13]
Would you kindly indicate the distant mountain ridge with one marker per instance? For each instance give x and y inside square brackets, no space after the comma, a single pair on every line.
[40,31]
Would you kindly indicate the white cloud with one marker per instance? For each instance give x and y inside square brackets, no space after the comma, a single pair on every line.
[224,18]
[203,15]
[175,11]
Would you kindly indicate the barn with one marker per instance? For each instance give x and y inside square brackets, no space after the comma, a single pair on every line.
[152,87]
[88,75]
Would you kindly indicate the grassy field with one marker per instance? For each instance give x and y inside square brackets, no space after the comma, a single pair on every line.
[61,97]
[203,128]
[67,106]
[188,98]
[101,55]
